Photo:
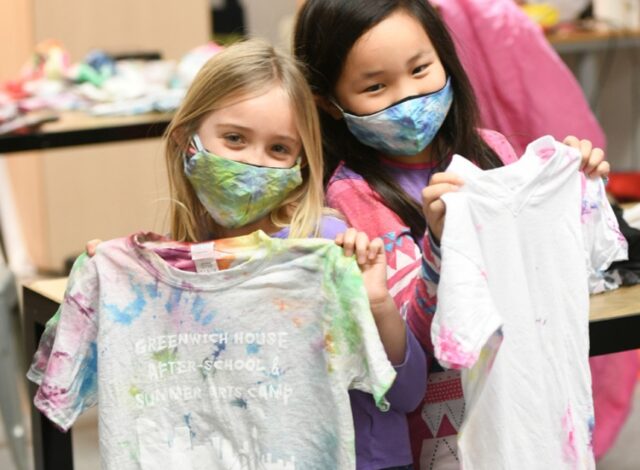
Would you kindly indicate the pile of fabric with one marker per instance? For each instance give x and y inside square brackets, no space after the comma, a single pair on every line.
[101,84]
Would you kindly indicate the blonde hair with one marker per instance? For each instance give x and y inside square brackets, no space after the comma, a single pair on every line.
[245,68]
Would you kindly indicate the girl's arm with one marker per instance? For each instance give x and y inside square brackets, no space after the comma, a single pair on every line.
[401,346]
[413,292]
[372,262]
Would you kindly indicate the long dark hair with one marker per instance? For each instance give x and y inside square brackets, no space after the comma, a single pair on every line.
[325,32]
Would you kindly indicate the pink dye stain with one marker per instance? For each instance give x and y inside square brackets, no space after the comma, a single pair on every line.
[569,448]
[452,352]
[545,153]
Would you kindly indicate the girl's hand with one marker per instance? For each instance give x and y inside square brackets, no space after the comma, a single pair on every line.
[92,245]
[372,262]
[432,206]
[593,162]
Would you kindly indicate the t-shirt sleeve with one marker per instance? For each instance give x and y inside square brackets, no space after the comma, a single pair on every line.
[604,243]
[65,364]
[467,325]
[356,351]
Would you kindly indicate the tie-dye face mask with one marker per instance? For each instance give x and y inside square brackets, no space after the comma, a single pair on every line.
[404,128]
[234,193]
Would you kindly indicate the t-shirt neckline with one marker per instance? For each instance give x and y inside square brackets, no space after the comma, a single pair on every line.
[256,246]
[541,157]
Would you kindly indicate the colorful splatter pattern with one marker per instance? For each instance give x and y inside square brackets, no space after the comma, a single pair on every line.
[189,368]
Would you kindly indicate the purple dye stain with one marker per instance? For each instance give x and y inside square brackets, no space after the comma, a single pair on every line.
[78,300]
[218,349]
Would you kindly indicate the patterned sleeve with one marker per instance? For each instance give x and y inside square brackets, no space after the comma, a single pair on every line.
[65,364]
[604,243]
[356,351]
[412,273]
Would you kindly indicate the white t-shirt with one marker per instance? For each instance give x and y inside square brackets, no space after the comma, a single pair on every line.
[242,368]
[517,247]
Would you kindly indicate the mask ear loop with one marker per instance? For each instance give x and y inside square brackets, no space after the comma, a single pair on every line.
[334,102]
[197,143]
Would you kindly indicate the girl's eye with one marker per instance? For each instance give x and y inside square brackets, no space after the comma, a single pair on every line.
[372,88]
[419,69]
[280,149]
[233,138]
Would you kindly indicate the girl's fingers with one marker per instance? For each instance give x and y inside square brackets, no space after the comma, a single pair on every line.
[437,207]
[446,177]
[362,246]
[596,165]
[340,239]
[585,149]
[602,170]
[433,193]
[92,245]
[572,141]
[376,247]
[349,241]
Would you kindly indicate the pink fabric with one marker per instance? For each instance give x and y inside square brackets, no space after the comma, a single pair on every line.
[614,379]
[524,89]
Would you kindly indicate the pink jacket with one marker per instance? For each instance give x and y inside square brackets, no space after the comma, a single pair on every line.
[523,87]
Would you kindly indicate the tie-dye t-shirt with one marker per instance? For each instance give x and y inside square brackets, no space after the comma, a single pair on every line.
[517,247]
[245,364]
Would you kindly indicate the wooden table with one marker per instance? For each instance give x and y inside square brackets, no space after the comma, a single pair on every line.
[77,128]
[614,326]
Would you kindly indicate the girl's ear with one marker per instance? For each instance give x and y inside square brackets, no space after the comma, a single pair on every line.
[328,107]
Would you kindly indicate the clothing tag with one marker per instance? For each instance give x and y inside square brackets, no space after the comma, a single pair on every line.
[203,255]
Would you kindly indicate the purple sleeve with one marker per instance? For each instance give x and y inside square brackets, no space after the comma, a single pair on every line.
[411,380]
[329,227]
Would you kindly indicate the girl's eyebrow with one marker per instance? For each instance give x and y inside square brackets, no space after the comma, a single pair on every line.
[420,54]
[234,126]
[288,138]
[372,74]
[248,130]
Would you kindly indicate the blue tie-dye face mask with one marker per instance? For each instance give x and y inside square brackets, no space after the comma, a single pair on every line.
[404,128]
[235,193]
